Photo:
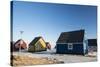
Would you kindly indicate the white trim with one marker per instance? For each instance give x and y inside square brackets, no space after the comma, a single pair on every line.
[70,46]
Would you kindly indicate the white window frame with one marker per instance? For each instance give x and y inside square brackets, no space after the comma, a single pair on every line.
[70,46]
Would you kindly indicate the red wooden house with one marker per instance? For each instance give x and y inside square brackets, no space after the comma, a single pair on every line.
[48,45]
[19,44]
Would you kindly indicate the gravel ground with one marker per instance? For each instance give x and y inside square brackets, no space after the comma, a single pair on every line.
[26,60]
[66,58]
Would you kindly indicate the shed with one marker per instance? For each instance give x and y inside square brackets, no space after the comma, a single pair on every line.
[92,45]
[72,42]
[37,44]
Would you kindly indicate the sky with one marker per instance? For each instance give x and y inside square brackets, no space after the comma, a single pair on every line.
[50,19]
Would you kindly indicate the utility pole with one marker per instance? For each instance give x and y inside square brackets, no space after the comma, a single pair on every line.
[21,32]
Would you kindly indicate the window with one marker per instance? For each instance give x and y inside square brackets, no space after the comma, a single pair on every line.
[70,46]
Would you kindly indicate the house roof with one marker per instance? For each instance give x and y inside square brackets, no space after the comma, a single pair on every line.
[71,37]
[33,42]
[92,42]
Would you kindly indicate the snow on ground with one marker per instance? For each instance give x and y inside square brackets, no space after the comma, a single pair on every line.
[67,58]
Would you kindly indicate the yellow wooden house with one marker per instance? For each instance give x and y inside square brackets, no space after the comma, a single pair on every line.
[36,45]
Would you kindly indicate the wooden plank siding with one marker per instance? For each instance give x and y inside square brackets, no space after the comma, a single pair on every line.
[77,49]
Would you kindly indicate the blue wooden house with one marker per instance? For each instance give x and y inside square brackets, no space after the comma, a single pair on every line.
[72,42]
